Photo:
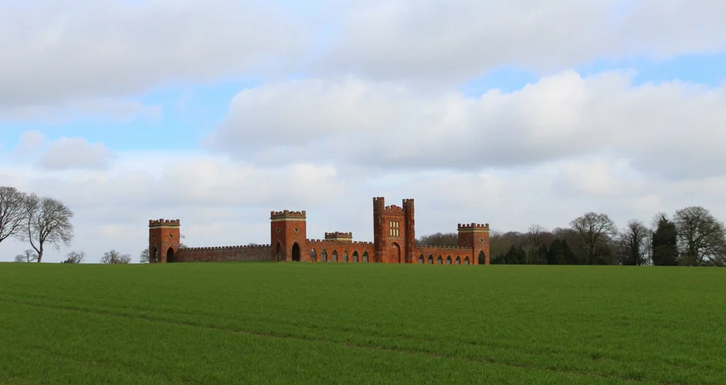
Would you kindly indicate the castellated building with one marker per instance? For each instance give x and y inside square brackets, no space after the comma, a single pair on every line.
[394,241]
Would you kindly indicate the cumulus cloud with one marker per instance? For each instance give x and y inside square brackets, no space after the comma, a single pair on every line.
[669,129]
[75,153]
[56,51]
[452,41]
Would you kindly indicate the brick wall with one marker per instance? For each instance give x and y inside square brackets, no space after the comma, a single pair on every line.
[225,254]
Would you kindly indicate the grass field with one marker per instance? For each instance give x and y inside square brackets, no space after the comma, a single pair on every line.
[346,323]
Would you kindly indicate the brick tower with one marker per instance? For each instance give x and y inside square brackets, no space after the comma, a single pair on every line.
[409,229]
[476,237]
[163,240]
[288,236]
[389,232]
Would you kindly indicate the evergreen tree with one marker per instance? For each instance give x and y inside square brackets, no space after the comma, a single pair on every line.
[665,247]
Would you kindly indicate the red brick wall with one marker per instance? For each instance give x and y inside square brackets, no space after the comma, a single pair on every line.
[259,253]
[444,252]
[341,248]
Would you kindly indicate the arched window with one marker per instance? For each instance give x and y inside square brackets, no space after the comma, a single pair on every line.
[466,260]
[440,260]
[365,257]
[421,259]
[323,256]
[334,256]
[355,257]
[448,260]
[431,259]
[313,255]
[345,256]
[458,260]
[481,258]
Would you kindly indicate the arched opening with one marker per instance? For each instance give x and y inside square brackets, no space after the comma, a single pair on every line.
[356,258]
[153,255]
[170,255]
[431,259]
[345,256]
[296,252]
[421,259]
[396,252]
[448,260]
[458,260]
[278,252]
[334,256]
[313,255]
[481,258]
[466,260]
[365,257]
[439,260]
[323,256]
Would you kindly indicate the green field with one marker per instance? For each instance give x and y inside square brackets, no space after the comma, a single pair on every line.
[291,323]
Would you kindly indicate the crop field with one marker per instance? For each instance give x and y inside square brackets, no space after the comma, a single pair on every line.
[266,323]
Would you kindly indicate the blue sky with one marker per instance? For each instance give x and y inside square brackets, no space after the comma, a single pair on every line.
[217,112]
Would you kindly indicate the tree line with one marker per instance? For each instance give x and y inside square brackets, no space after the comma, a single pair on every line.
[692,237]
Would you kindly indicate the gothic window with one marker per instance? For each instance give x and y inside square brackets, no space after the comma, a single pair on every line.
[440,260]
[324,256]
[431,259]
[421,259]
[334,256]
[458,260]
[313,255]
[365,257]
[345,256]
[448,260]
[394,229]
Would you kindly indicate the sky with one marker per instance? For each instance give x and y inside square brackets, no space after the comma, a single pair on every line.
[216,112]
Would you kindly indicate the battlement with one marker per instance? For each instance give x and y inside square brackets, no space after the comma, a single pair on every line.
[473,227]
[407,202]
[339,236]
[241,247]
[362,243]
[287,214]
[163,222]
[393,209]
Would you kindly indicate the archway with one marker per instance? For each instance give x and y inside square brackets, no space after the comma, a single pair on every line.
[448,260]
[170,255]
[296,252]
[278,252]
[458,260]
[365,257]
[396,252]
[334,256]
[431,259]
[481,258]
[439,260]
[466,260]
[323,256]
[345,256]
[153,255]
[355,257]
[421,259]
[313,255]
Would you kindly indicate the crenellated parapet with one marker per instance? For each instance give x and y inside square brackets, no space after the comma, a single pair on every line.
[240,247]
[473,227]
[287,215]
[163,222]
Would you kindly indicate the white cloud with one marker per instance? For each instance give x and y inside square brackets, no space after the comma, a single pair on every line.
[669,129]
[75,153]
[452,41]
[55,51]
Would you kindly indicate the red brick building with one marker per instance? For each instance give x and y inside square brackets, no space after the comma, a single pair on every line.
[394,241]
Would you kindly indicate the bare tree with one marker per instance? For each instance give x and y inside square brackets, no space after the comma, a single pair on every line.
[12,212]
[596,232]
[27,256]
[48,221]
[144,257]
[75,257]
[701,239]
[633,244]
[114,257]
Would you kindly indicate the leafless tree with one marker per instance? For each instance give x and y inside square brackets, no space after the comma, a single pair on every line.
[701,239]
[75,257]
[634,244]
[114,257]
[144,257]
[48,221]
[12,212]
[27,256]
[596,232]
